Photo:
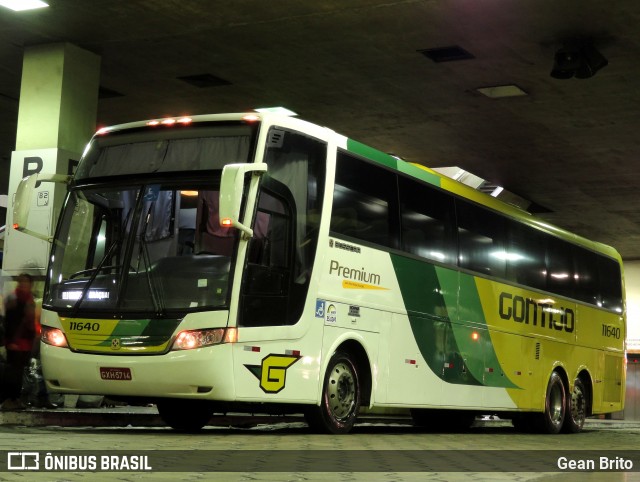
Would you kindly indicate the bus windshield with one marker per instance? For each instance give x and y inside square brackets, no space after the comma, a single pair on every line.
[151,248]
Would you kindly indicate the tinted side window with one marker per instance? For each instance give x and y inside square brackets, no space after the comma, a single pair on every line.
[481,235]
[364,202]
[427,221]
[560,275]
[586,275]
[610,283]
[525,253]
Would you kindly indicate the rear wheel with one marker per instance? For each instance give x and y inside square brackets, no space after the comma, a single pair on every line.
[341,396]
[555,406]
[577,408]
[185,415]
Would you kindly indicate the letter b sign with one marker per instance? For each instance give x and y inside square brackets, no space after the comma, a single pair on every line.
[32,165]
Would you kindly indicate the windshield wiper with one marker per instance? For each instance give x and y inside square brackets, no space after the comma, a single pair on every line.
[151,282]
[94,271]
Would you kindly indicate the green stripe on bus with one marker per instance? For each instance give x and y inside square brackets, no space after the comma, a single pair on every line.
[450,348]
[371,153]
[430,321]
[471,320]
[417,172]
[145,333]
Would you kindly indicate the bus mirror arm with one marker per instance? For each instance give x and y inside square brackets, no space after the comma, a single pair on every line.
[231,193]
[24,197]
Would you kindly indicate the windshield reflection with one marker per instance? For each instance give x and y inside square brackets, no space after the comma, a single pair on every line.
[148,249]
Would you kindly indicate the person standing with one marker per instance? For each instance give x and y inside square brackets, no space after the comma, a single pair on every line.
[19,335]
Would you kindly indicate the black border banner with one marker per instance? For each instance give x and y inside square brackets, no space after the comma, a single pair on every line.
[383,461]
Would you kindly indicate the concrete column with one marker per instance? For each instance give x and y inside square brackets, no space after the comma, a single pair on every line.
[56,118]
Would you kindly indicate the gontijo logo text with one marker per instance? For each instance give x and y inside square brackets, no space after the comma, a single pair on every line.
[536,313]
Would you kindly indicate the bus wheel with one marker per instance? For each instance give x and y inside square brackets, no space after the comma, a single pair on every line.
[577,403]
[340,397]
[185,415]
[555,406]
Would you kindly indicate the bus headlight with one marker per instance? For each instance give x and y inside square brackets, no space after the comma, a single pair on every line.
[54,336]
[190,339]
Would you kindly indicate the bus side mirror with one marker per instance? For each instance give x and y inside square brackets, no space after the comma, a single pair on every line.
[24,197]
[231,191]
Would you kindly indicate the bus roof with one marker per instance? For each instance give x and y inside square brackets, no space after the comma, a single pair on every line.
[415,170]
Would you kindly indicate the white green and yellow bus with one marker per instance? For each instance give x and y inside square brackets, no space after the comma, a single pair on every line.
[259,263]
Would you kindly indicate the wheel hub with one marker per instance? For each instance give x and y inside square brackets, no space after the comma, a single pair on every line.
[341,391]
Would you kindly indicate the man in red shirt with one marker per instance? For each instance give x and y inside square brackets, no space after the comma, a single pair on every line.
[19,335]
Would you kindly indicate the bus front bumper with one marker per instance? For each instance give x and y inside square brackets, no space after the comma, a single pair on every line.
[204,373]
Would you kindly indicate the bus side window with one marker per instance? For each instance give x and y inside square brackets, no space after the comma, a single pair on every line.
[365,202]
[560,276]
[526,250]
[427,221]
[610,287]
[481,235]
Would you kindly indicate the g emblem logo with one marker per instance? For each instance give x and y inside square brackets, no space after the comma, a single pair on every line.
[272,373]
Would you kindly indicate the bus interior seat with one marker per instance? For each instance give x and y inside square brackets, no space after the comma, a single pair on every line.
[186,240]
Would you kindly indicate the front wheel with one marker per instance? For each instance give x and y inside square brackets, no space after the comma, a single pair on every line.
[341,395]
[185,415]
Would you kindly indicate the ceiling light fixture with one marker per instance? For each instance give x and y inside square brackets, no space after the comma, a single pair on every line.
[204,80]
[577,58]
[499,91]
[21,5]
[447,54]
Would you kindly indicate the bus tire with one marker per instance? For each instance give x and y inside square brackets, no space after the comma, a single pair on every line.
[577,408]
[341,395]
[185,415]
[552,418]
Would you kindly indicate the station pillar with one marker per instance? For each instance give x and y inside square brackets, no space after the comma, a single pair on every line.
[56,118]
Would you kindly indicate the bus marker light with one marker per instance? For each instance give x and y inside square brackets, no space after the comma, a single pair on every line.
[251,118]
[292,352]
[102,130]
[475,336]
[231,335]
[168,122]
[153,123]
[184,120]
[226,222]
[255,349]
[448,365]
[16,226]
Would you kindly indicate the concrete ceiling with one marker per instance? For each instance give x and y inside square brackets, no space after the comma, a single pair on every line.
[356,66]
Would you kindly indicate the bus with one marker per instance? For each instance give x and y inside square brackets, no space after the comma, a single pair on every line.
[258,263]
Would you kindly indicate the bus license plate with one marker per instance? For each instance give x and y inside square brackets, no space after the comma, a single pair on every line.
[112,373]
